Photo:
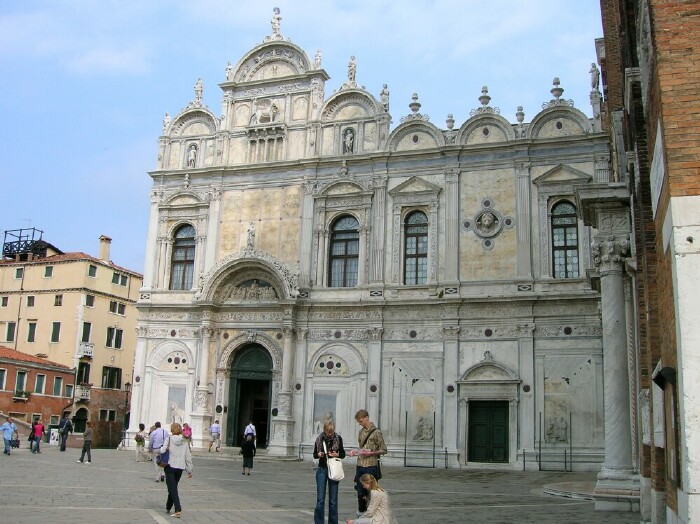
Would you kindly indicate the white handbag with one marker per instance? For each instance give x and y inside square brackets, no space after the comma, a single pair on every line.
[335,466]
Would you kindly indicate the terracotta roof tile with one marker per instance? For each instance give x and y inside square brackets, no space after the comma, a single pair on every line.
[13,354]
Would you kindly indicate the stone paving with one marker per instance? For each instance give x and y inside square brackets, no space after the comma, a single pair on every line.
[53,488]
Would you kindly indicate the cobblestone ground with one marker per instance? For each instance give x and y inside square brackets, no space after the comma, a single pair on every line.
[53,488]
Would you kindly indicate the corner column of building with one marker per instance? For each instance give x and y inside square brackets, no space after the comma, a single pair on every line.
[524,246]
[212,238]
[377,242]
[282,432]
[305,242]
[150,268]
[618,485]
[138,412]
[374,369]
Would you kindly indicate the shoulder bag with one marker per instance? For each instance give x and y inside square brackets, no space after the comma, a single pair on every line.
[163,458]
[335,466]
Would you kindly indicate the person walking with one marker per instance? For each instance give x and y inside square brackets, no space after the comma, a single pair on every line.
[331,443]
[180,460]
[215,438]
[140,439]
[250,430]
[248,452]
[155,441]
[372,446]
[64,428]
[87,444]
[379,510]
[9,432]
[38,433]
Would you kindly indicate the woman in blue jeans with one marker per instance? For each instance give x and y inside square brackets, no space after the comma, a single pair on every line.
[334,444]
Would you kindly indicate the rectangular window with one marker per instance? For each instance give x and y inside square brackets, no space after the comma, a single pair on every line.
[55,420]
[69,391]
[121,308]
[4,301]
[30,301]
[48,271]
[19,272]
[57,386]
[21,380]
[108,415]
[111,377]
[123,280]
[112,306]
[90,300]
[110,337]
[39,385]
[86,332]
[55,331]
[114,338]
[115,278]
[31,331]
[58,300]
[3,376]
[92,270]
[83,375]
[10,335]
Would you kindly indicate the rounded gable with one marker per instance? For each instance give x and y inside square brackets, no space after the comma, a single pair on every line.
[559,121]
[485,129]
[350,105]
[194,122]
[275,59]
[415,134]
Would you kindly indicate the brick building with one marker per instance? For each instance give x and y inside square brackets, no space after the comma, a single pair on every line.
[33,387]
[650,62]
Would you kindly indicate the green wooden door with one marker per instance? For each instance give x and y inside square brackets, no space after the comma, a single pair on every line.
[488,432]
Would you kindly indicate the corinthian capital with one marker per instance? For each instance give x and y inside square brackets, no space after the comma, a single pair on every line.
[609,255]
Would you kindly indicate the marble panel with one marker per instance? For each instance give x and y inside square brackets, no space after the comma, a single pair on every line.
[196,129]
[174,155]
[560,127]
[416,140]
[486,134]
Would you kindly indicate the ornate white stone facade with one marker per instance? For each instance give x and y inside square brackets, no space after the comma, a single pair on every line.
[487,325]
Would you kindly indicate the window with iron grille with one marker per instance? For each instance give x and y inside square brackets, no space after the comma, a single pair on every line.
[344,252]
[182,269]
[416,248]
[564,240]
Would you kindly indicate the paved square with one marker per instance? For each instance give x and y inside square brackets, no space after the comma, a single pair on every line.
[52,488]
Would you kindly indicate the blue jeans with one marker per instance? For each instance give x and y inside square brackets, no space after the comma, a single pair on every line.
[172,478]
[321,481]
[7,446]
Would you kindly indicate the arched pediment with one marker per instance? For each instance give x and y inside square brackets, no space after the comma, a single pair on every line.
[341,187]
[337,352]
[247,270]
[559,121]
[489,371]
[350,105]
[169,356]
[562,174]
[485,128]
[194,122]
[271,61]
[184,198]
[415,134]
[238,344]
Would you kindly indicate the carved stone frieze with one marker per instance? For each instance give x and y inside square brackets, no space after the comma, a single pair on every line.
[168,333]
[560,330]
[610,255]
[345,334]
[249,316]
[200,399]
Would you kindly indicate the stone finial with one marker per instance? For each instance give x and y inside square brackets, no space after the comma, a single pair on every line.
[415,105]
[484,99]
[450,121]
[520,115]
[556,90]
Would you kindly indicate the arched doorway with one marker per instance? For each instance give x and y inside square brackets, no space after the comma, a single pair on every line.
[79,420]
[249,394]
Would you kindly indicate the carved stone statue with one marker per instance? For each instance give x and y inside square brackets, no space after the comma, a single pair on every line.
[487,222]
[348,140]
[250,241]
[276,21]
[229,72]
[556,430]
[384,97]
[352,70]
[192,156]
[424,429]
[317,61]
[198,88]
[166,123]
[595,77]
[175,413]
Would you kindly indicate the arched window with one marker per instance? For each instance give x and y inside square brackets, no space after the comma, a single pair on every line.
[564,240]
[183,259]
[416,248]
[344,252]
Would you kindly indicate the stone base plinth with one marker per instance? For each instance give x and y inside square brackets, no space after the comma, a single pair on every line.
[617,490]
[281,443]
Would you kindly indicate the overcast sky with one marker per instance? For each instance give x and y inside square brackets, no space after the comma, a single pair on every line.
[86,83]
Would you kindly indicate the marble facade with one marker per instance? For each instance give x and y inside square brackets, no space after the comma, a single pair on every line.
[489,324]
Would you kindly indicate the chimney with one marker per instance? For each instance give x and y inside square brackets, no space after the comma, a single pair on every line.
[105,241]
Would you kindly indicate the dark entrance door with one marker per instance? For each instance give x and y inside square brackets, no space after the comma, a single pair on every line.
[488,432]
[249,394]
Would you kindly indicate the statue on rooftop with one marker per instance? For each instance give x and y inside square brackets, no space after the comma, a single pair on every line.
[276,21]
[198,88]
[352,70]
[595,77]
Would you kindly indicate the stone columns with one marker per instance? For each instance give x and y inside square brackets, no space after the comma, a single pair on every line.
[281,435]
[524,244]
[450,430]
[374,357]
[150,268]
[138,412]
[617,476]
[201,418]
[377,260]
[307,224]
[212,229]
[451,226]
